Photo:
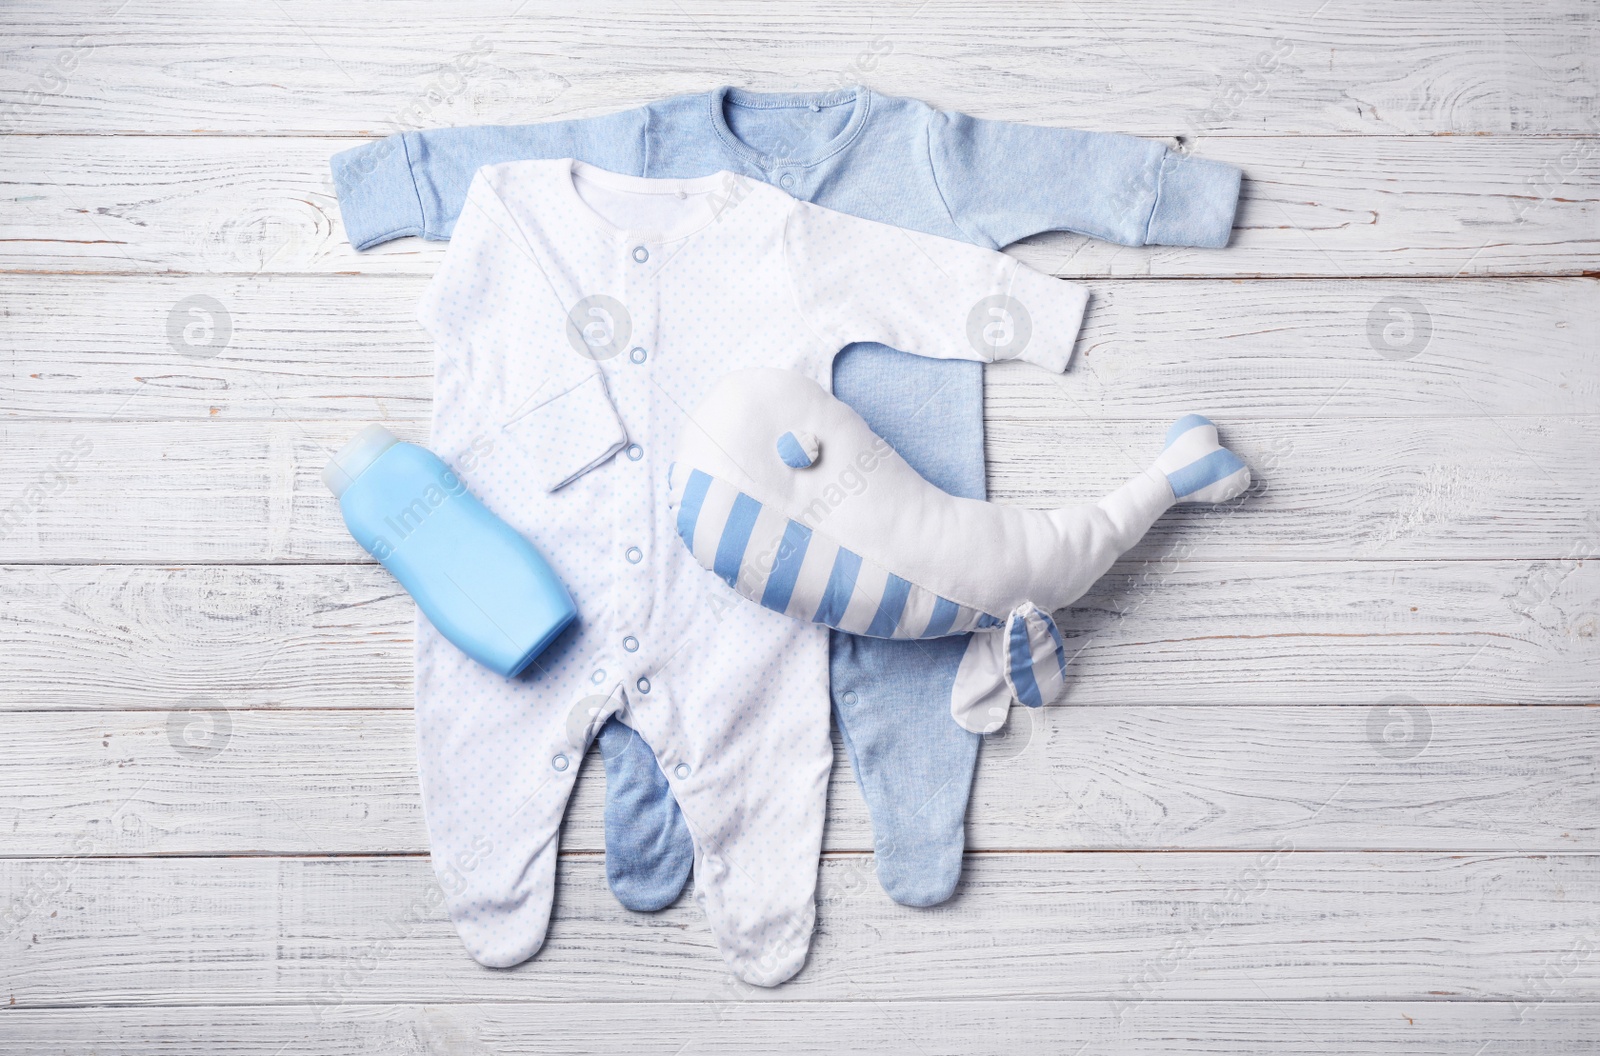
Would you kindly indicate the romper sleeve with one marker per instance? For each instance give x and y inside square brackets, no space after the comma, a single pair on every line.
[489,309]
[414,183]
[1003,181]
[859,280]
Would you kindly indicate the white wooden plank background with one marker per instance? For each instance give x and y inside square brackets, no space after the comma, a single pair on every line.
[1326,777]
[1117,778]
[338,636]
[1362,66]
[956,1027]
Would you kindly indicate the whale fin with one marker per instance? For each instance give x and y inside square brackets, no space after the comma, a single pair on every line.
[980,700]
[1025,659]
[1036,657]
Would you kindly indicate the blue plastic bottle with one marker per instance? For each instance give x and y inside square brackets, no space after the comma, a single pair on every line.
[475,577]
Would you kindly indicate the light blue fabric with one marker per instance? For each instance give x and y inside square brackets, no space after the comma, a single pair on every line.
[1021,657]
[793,455]
[888,159]
[736,537]
[1218,465]
[891,606]
[647,872]
[786,567]
[1183,425]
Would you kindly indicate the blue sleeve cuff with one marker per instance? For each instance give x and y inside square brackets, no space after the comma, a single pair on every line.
[1195,203]
[377,195]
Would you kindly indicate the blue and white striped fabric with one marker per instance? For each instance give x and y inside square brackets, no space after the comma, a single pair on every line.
[1036,657]
[795,569]
[1197,466]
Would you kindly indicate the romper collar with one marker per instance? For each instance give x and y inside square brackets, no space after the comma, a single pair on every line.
[568,171]
[719,99]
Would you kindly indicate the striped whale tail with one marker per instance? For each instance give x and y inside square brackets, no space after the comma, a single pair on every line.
[1024,660]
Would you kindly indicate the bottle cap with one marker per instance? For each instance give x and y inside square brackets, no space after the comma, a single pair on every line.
[352,460]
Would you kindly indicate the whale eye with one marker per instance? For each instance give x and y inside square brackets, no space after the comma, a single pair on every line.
[798,450]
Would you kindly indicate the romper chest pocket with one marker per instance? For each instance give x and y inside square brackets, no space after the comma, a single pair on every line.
[569,433]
